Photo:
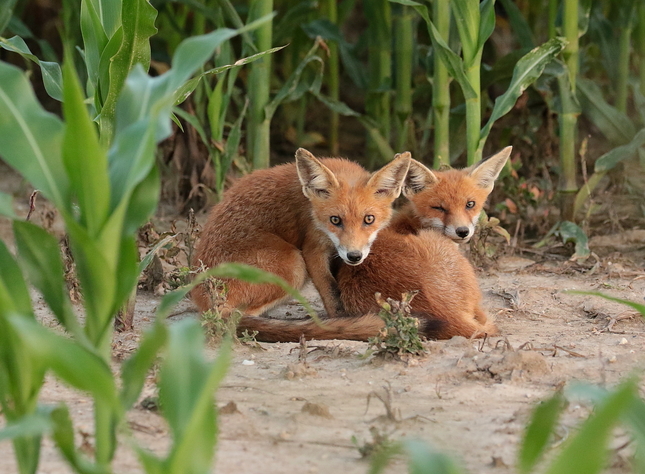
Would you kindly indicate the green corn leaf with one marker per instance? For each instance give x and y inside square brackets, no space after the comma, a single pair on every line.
[232,143]
[143,200]
[97,276]
[453,62]
[486,22]
[586,452]
[294,88]
[135,369]
[109,14]
[138,25]
[186,386]
[127,271]
[103,84]
[6,206]
[131,158]
[216,109]
[526,71]
[30,137]
[14,295]
[637,306]
[84,159]
[68,359]
[52,77]
[292,20]
[467,18]
[519,24]
[184,91]
[384,148]
[425,459]
[147,259]
[570,232]
[63,436]
[615,125]
[35,424]
[538,432]
[40,256]
[94,39]
[6,11]
[610,159]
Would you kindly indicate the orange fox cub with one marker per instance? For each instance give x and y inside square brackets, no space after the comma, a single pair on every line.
[448,303]
[290,220]
[448,201]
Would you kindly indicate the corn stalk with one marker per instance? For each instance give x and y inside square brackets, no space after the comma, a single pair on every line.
[377,105]
[259,88]
[441,89]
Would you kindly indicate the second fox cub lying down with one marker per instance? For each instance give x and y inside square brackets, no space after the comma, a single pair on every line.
[405,257]
[448,303]
[448,201]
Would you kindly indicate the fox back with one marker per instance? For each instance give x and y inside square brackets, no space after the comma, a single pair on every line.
[448,201]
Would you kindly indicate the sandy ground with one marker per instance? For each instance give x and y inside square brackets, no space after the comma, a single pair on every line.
[470,399]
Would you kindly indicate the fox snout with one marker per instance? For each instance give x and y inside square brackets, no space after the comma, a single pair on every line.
[352,257]
[462,232]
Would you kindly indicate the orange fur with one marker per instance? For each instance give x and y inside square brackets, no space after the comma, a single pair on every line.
[448,201]
[290,220]
[448,303]
[405,257]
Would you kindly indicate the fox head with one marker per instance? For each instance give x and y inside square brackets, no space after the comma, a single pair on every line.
[349,204]
[451,201]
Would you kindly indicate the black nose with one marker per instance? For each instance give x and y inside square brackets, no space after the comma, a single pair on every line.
[354,256]
[462,232]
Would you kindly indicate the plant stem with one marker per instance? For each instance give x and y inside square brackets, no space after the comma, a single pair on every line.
[624,46]
[474,111]
[403,58]
[330,9]
[258,129]
[441,89]
[568,118]
[553,15]
[379,32]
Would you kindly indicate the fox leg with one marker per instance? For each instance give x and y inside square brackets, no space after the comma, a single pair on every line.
[269,253]
[318,266]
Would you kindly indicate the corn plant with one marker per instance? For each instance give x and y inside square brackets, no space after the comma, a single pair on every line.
[584,452]
[103,195]
[475,22]
[441,88]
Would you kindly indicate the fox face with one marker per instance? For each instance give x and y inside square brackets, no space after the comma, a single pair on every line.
[451,201]
[349,208]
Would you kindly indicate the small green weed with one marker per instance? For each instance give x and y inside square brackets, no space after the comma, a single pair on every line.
[401,332]
[381,444]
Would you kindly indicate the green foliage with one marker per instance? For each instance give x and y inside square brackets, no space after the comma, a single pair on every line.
[401,332]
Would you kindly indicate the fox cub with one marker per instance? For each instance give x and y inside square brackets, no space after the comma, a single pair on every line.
[290,220]
[448,201]
[407,257]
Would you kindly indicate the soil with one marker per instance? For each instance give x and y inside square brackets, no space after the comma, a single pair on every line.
[468,398]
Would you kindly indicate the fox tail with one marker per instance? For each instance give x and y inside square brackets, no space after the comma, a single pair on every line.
[349,328]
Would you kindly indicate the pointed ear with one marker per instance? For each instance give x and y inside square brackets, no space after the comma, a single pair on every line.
[418,178]
[317,180]
[389,180]
[486,171]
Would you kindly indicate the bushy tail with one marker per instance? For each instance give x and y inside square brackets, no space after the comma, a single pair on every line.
[359,328]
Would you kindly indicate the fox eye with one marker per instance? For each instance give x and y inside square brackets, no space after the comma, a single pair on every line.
[470,204]
[439,208]
[369,219]
[335,220]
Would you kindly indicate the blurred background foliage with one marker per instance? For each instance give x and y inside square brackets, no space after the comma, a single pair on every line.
[449,81]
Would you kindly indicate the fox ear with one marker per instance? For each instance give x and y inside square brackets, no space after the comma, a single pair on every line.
[389,180]
[486,171]
[418,178]
[317,180]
